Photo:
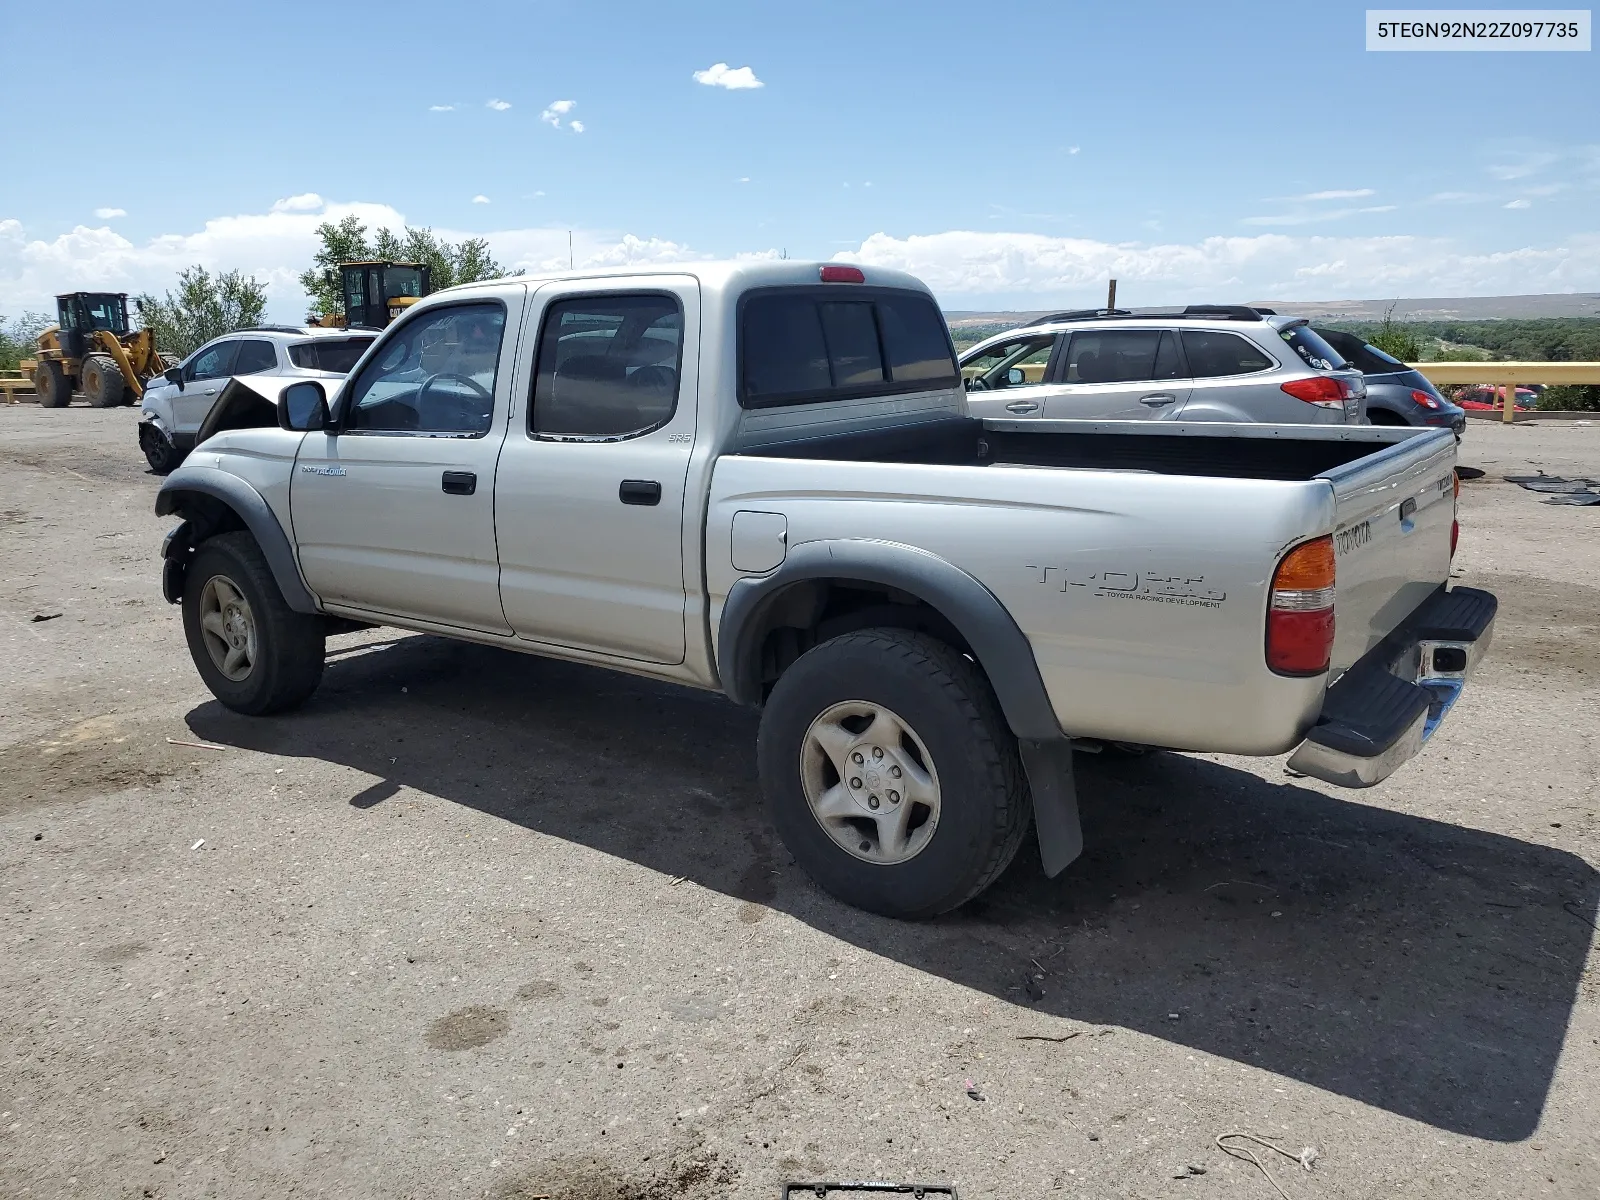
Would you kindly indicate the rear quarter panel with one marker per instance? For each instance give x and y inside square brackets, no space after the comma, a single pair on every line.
[1143,596]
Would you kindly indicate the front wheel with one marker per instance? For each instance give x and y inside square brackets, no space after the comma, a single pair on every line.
[890,773]
[160,453]
[103,384]
[255,653]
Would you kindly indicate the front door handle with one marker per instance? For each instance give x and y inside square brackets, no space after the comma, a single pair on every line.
[459,483]
[1157,399]
[639,491]
[1022,407]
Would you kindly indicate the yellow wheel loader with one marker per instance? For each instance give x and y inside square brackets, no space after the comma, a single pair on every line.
[90,349]
[375,293]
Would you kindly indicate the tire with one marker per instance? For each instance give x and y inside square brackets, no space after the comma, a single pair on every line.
[52,384]
[948,723]
[160,453]
[282,650]
[102,381]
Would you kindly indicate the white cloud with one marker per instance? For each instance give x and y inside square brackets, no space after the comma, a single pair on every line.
[1335,194]
[742,179]
[105,214]
[498,105]
[1073,149]
[480,198]
[534,196]
[1457,197]
[441,108]
[735,79]
[1311,216]
[1029,269]
[1520,166]
[557,109]
[1518,204]
[304,202]
[575,126]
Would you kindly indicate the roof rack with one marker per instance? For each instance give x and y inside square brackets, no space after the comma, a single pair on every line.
[272,329]
[1224,312]
[1079,314]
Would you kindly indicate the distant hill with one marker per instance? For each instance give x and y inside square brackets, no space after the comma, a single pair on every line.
[1443,308]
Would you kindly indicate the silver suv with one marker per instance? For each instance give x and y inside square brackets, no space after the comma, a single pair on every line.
[1200,363]
[175,404]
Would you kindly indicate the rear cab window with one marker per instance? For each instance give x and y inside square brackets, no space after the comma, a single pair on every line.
[809,345]
[329,354]
[1313,348]
[1213,354]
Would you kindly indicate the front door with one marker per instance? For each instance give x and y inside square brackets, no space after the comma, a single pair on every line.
[204,376]
[590,495]
[1010,379]
[1118,375]
[394,509]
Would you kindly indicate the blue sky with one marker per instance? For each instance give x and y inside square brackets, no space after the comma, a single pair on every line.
[1013,157]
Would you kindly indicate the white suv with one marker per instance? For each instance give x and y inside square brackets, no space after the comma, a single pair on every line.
[175,405]
[1201,363]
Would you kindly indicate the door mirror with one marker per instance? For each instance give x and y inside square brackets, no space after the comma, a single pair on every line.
[303,407]
[1016,376]
[174,375]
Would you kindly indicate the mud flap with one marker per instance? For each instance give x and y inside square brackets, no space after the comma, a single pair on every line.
[1055,801]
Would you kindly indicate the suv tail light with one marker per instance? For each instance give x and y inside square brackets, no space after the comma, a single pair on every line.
[1422,398]
[1322,390]
[842,275]
[1300,611]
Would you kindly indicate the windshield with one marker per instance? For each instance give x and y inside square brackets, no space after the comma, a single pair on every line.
[402,281]
[329,354]
[1312,348]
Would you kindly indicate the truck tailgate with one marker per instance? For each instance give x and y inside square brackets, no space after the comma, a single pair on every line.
[1393,528]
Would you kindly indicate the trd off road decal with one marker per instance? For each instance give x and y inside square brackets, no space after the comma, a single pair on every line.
[1156,587]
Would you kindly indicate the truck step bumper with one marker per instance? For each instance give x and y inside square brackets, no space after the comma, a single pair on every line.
[1384,709]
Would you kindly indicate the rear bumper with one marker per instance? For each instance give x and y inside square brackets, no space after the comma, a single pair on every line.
[1384,709]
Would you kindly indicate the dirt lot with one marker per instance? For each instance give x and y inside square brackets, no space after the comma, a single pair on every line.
[474,924]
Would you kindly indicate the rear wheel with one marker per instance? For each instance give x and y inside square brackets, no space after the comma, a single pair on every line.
[255,653]
[52,384]
[102,380]
[890,773]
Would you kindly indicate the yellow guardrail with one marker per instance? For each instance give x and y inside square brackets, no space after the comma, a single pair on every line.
[1508,375]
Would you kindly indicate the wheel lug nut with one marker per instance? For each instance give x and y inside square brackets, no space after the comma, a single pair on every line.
[877,752]
[856,757]
[872,802]
[895,771]
[866,846]
[855,783]
[894,797]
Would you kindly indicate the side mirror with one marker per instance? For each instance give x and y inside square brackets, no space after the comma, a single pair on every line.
[174,375]
[1015,376]
[303,407]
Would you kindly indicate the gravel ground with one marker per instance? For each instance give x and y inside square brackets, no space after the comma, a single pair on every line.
[475,924]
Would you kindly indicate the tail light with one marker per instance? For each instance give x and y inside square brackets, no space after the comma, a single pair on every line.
[1422,398]
[835,274]
[1322,390]
[1300,611]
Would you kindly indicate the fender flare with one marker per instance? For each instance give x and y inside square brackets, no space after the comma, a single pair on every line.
[1001,648]
[252,509]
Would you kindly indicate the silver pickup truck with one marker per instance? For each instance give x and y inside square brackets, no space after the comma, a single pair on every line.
[762,478]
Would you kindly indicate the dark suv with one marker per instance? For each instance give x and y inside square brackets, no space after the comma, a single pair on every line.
[1396,393]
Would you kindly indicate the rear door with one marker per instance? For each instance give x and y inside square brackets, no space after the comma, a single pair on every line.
[1119,375]
[394,509]
[590,491]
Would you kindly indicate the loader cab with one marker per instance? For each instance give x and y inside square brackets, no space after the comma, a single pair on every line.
[80,314]
[375,293]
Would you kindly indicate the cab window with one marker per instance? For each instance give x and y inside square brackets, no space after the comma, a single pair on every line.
[214,362]
[435,374]
[607,367]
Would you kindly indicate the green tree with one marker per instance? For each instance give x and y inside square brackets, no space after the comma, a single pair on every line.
[18,338]
[1394,339]
[448,263]
[1570,397]
[203,307]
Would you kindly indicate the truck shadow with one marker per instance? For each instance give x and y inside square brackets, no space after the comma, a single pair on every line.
[1421,967]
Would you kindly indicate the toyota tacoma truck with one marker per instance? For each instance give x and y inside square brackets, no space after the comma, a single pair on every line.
[762,478]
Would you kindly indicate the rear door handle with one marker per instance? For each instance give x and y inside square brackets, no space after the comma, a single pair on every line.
[459,483]
[639,491]
[1157,399]
[1022,407]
